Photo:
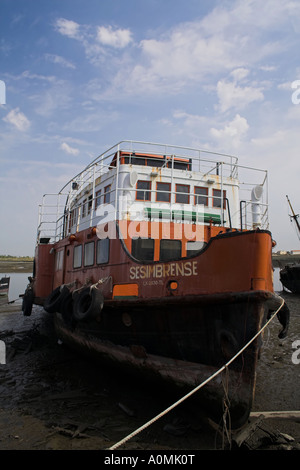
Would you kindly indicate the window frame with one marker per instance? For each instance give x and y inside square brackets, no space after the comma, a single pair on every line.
[98,195]
[74,251]
[144,190]
[99,251]
[139,248]
[106,194]
[217,200]
[179,194]
[204,196]
[162,192]
[165,260]
[85,264]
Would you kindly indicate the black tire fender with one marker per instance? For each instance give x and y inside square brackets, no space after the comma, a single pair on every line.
[53,302]
[27,302]
[87,304]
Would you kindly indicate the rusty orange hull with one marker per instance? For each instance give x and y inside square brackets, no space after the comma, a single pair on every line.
[177,321]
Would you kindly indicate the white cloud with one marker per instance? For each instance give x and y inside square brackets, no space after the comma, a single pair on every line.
[232,133]
[118,38]
[56,59]
[17,119]
[239,74]
[68,149]
[233,96]
[67,28]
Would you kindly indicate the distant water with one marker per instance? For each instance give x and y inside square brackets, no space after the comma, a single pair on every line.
[18,284]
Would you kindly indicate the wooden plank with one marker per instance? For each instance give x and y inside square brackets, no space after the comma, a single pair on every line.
[276,414]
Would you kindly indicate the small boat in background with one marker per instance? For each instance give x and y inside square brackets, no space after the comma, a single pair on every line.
[290,274]
[4,285]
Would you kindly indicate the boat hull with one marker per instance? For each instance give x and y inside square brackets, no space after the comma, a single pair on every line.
[181,343]
[290,278]
[4,285]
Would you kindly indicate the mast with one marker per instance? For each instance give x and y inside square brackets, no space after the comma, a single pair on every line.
[294,216]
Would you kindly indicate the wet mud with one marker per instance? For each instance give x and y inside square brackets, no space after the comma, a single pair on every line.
[53,399]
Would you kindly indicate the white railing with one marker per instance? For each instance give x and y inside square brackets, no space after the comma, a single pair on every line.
[55,211]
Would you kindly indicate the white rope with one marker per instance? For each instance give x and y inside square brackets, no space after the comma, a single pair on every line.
[144,426]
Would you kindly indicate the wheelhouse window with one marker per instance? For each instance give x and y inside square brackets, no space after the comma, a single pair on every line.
[73,217]
[193,247]
[59,259]
[89,249]
[169,250]
[217,198]
[90,203]
[83,209]
[182,193]
[143,249]
[107,194]
[98,198]
[143,190]
[102,251]
[138,161]
[163,192]
[77,257]
[156,162]
[201,195]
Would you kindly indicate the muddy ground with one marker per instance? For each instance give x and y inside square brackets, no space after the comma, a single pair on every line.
[53,399]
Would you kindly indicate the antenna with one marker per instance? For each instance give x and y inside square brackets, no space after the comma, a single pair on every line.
[294,216]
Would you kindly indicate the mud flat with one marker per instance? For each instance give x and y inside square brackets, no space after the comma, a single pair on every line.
[7,266]
[53,399]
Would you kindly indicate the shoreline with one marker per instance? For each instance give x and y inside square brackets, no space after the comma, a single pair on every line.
[8,267]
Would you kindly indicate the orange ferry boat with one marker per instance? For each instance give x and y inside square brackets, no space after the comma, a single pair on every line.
[159,260]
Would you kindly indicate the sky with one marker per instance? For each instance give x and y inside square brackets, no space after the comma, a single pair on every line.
[80,76]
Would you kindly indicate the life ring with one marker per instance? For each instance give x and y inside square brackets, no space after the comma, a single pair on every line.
[53,301]
[87,304]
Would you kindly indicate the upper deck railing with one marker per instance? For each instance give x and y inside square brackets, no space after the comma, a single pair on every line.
[54,212]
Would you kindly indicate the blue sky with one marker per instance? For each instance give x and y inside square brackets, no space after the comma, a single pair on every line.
[82,75]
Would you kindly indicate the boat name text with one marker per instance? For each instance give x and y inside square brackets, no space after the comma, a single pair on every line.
[188,268]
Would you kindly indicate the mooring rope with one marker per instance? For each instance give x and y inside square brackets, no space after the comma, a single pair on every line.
[178,402]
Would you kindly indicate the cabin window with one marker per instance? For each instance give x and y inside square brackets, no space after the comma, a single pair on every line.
[90,203]
[103,251]
[143,191]
[179,165]
[107,194]
[89,254]
[169,250]
[143,249]
[217,198]
[59,260]
[98,199]
[138,161]
[201,195]
[182,193]
[163,192]
[156,162]
[193,247]
[77,257]
[83,211]
[73,217]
